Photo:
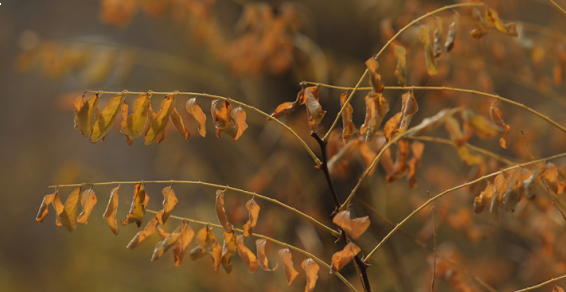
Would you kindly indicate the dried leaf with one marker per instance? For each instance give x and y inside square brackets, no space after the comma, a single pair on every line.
[105,119]
[459,140]
[557,288]
[253,210]
[239,116]
[376,109]
[134,124]
[159,123]
[169,202]
[374,78]
[229,249]
[314,110]
[498,120]
[67,214]
[438,31]
[221,119]
[348,127]
[391,125]
[401,166]
[552,177]
[481,27]
[451,37]
[354,227]
[164,245]
[205,240]
[262,258]
[44,208]
[400,122]
[162,233]
[287,259]
[417,149]
[197,113]
[343,257]
[492,19]
[179,125]
[187,235]
[401,69]
[247,255]
[220,212]
[424,37]
[484,128]
[144,234]
[86,111]
[88,200]
[137,209]
[111,209]
[216,255]
[284,109]
[311,269]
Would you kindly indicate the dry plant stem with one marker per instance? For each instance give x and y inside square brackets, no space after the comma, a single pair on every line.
[429,201]
[433,211]
[557,6]
[253,108]
[416,20]
[280,243]
[541,284]
[316,222]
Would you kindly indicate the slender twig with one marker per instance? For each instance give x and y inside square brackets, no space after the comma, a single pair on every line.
[541,284]
[429,201]
[557,6]
[253,108]
[226,187]
[433,211]
[414,21]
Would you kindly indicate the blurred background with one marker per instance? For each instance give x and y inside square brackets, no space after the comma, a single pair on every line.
[258,52]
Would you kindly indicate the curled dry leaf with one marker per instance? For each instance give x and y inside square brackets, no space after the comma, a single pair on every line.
[239,116]
[177,121]
[498,120]
[253,210]
[552,177]
[88,200]
[187,235]
[197,113]
[287,259]
[247,255]
[438,39]
[391,125]
[415,162]
[451,37]
[159,122]
[459,139]
[481,27]
[424,37]
[105,119]
[400,122]
[144,234]
[134,124]
[216,255]
[167,243]
[348,127]
[289,107]
[401,69]
[44,207]
[314,109]
[492,19]
[229,249]
[169,202]
[221,119]
[67,214]
[137,209]
[400,167]
[205,240]
[86,111]
[483,127]
[111,209]
[376,109]
[262,258]
[374,78]
[354,227]
[343,257]
[311,270]
[220,212]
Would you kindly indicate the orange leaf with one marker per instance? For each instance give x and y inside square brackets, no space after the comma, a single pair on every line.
[105,119]
[86,111]
[179,125]
[247,255]
[67,214]
[408,110]
[498,120]
[171,240]
[205,240]
[492,19]
[557,288]
[137,209]
[374,78]
[311,269]
[262,258]
[284,109]
[187,235]
[239,116]
[451,37]
[216,255]
[44,208]
[169,202]
[159,123]
[314,110]
[391,125]
[220,212]
[424,37]
[551,176]
[484,128]
[287,259]
[229,249]
[348,126]
[253,210]
[415,162]
[376,109]
[354,227]
[111,209]
[197,113]
[401,166]
[343,257]
[401,69]
[221,118]
[88,200]
[459,140]
[481,27]
[134,124]
[144,234]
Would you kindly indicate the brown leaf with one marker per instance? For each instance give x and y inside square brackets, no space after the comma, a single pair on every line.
[159,123]
[451,37]
[44,208]
[557,288]
[483,127]
[144,234]
[348,127]
[400,122]
[287,259]
[105,119]
[134,124]
[239,116]
[485,195]
[498,120]
[376,109]
[314,110]
[197,113]
[354,227]
[401,166]
[459,140]
[247,255]
[343,257]
[88,200]
[481,27]
[438,31]
[167,243]
[311,269]
[179,125]
[205,240]
[169,202]
[220,212]
[289,107]
[137,209]
[67,214]
[86,111]
[111,209]
[415,162]
[401,69]
[374,78]
[552,177]
[253,210]
[262,258]
[492,19]
[187,235]
[424,37]
[221,119]
[229,249]
[391,125]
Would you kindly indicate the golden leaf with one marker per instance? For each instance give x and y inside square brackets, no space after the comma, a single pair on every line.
[86,111]
[401,69]
[253,210]
[205,240]
[137,209]
[44,208]
[144,234]
[179,125]
[287,259]
[314,109]
[134,124]
[262,258]
[221,118]
[229,249]
[424,37]
[311,269]
[239,116]
[67,214]
[111,209]
[88,200]
[169,202]
[354,227]
[159,123]
[247,255]
[197,113]
[187,235]
[343,257]
[348,127]
[105,119]
[167,243]
[220,212]
[216,255]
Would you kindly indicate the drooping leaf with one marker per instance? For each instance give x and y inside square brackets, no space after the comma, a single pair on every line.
[424,37]
[169,202]
[451,37]
[481,27]
[44,208]
[492,19]
[311,270]
[348,127]
[221,119]
[374,77]
[216,255]
[438,39]
[247,255]
[67,216]
[229,249]
[167,243]
[162,233]
[415,162]
[343,257]
[500,186]
[253,210]
[314,109]
[86,111]
[205,240]
[400,122]
[144,234]
[134,124]
[391,125]
[105,119]
[287,259]
[483,127]
[159,123]
[177,121]
[459,139]
[401,69]
[111,209]
[239,116]
[187,235]
[354,227]
[285,109]
[220,212]
[197,113]
[498,120]
[376,109]
[88,200]
[137,209]
[400,167]
[262,258]
[556,288]
[552,178]
[483,198]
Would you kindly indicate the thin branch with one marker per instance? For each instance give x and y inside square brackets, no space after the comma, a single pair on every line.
[433,211]
[557,6]
[541,284]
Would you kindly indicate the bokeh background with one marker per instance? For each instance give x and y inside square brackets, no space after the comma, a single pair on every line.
[258,53]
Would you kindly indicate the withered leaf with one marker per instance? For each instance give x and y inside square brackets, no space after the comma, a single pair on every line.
[105,119]
[220,212]
[229,249]
[348,127]
[287,259]
[169,202]
[391,125]
[485,195]
[88,200]
[247,255]
[284,109]
[343,257]
[557,288]
[438,31]
[376,109]
[137,209]
[354,227]
[111,209]
[552,177]
[86,111]
[400,122]
[144,234]
[171,240]
[221,119]
[134,124]
[311,269]
[205,240]
[492,19]
[159,123]
[400,167]
[314,109]
[239,116]
[44,208]
[262,258]
[216,255]
[424,37]
[162,233]
[500,186]
[67,214]
[451,37]
[459,139]
[498,120]
[481,27]
[187,235]
[374,77]
[401,69]
[415,162]
[483,127]
[179,125]
[197,113]
[253,210]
